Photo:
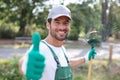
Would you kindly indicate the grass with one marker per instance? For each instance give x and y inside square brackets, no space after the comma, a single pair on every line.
[100,71]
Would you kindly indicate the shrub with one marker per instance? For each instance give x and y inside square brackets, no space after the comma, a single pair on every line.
[9,70]
[43,32]
[6,31]
[73,34]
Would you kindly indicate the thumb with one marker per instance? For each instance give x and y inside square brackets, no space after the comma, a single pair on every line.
[36,38]
[36,60]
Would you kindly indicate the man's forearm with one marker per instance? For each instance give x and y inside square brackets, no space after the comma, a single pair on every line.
[76,62]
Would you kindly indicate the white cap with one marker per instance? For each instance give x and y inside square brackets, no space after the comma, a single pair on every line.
[58,11]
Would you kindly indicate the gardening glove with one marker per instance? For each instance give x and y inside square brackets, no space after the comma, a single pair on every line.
[36,60]
[90,55]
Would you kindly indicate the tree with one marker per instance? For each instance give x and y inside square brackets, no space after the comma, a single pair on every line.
[104,19]
[19,11]
[110,19]
[115,21]
[84,19]
[76,21]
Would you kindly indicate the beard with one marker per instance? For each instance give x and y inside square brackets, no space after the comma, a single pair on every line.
[58,36]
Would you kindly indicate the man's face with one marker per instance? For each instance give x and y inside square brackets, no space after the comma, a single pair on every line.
[59,28]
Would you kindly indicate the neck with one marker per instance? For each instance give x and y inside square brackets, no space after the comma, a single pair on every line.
[53,42]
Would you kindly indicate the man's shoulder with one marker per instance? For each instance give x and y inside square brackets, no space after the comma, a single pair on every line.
[43,45]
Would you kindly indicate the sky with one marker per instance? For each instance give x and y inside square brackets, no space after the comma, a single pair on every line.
[66,2]
[56,2]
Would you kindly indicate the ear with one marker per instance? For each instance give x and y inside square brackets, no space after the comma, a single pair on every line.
[47,25]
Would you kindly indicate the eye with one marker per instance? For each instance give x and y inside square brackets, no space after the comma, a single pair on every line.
[57,22]
[66,23]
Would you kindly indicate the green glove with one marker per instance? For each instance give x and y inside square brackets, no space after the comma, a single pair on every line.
[90,55]
[36,60]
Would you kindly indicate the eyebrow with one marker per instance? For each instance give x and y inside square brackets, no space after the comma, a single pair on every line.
[56,19]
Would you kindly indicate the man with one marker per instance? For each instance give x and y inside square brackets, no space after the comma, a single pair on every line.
[57,65]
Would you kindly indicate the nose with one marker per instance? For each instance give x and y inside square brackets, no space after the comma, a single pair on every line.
[63,26]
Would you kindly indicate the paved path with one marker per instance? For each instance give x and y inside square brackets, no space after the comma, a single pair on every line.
[102,52]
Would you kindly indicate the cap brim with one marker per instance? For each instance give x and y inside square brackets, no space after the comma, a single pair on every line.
[61,15]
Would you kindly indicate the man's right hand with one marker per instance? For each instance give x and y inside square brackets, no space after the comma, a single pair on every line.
[36,60]
[90,55]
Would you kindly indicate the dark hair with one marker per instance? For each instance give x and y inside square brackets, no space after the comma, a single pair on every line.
[49,20]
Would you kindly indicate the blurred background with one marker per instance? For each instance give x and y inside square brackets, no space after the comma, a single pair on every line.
[19,19]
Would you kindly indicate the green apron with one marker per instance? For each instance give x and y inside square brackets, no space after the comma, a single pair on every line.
[62,73]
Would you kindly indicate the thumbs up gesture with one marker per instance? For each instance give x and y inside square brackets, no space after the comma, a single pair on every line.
[36,60]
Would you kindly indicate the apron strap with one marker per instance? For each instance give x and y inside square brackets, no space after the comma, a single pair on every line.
[65,55]
[54,55]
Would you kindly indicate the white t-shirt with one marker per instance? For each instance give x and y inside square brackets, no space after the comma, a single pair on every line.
[51,65]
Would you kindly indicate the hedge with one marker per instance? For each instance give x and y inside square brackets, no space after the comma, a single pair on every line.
[9,70]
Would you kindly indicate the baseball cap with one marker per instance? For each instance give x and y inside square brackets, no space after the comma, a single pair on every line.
[58,11]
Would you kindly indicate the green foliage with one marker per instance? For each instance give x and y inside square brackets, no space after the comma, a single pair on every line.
[19,11]
[29,12]
[115,20]
[73,34]
[9,70]
[43,31]
[79,77]
[6,31]
[100,71]
[84,19]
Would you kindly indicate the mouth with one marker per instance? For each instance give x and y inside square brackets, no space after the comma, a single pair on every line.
[62,32]
[61,35]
